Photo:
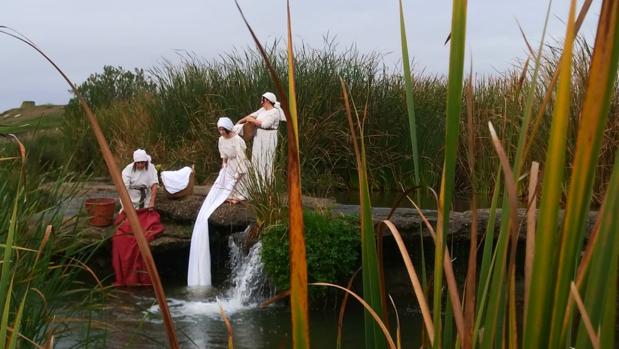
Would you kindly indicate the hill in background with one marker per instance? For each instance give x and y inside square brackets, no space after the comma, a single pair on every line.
[30,116]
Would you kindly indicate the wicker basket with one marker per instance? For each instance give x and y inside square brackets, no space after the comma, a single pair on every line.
[249,131]
[185,192]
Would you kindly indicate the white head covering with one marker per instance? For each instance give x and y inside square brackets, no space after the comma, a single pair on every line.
[140,155]
[225,123]
[270,96]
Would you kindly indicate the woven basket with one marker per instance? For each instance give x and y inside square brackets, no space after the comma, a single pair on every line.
[249,131]
[188,190]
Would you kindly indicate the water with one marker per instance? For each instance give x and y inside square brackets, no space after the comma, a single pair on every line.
[136,322]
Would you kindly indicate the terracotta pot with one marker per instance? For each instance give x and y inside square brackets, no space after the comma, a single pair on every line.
[101,211]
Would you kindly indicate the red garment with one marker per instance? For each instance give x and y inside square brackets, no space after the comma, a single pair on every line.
[128,263]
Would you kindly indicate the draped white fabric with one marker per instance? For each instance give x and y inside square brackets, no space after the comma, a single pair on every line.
[199,271]
[175,181]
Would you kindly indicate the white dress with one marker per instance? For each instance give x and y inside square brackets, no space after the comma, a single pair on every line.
[265,142]
[139,183]
[199,270]
[233,151]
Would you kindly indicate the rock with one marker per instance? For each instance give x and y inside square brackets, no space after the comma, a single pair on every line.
[179,215]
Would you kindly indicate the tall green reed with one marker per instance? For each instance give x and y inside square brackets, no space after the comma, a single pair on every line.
[44,257]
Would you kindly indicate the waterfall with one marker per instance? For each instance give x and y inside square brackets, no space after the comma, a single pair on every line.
[247,286]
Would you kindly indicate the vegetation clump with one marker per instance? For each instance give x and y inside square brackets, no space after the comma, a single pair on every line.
[332,243]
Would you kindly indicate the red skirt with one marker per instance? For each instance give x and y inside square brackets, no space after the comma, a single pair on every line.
[128,263]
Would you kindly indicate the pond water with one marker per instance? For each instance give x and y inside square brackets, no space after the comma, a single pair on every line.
[133,319]
[428,201]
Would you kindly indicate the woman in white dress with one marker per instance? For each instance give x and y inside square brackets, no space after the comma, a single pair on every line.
[266,119]
[228,185]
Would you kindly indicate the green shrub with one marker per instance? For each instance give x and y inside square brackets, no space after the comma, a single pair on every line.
[332,243]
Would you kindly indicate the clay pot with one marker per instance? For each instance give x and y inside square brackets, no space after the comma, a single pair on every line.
[101,211]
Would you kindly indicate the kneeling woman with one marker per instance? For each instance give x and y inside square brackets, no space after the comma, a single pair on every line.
[140,178]
[227,186]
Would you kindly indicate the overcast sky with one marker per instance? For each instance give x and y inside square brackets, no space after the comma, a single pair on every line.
[83,36]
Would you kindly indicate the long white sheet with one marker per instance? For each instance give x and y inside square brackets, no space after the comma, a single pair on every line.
[199,271]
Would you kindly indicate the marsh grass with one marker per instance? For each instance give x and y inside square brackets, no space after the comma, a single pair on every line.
[176,107]
[44,257]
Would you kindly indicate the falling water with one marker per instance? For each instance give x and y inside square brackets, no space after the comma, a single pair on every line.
[247,286]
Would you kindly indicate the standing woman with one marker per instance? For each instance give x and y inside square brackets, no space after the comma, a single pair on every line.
[227,186]
[266,119]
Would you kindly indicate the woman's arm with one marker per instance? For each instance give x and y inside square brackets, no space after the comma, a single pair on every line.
[254,121]
[153,196]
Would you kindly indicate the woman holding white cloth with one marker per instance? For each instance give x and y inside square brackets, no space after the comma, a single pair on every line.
[226,186]
[266,119]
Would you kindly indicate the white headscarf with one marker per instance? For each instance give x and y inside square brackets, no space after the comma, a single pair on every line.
[270,96]
[140,155]
[226,123]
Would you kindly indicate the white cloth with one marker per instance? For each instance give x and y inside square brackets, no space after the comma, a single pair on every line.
[282,115]
[238,129]
[134,179]
[175,181]
[199,270]
[265,142]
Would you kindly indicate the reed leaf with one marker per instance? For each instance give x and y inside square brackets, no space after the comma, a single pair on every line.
[471,273]
[4,324]
[6,279]
[369,253]
[599,292]
[544,276]
[298,263]
[412,274]
[607,328]
[454,105]
[340,317]
[596,105]
[510,184]
[486,260]
[586,321]
[229,329]
[375,316]
[397,319]
[410,104]
[530,243]
[114,172]
[17,323]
